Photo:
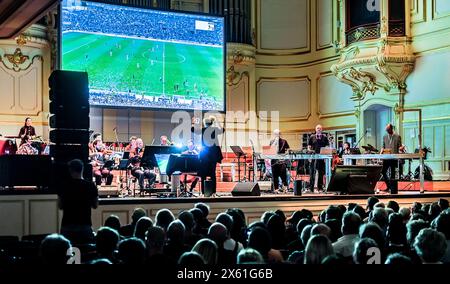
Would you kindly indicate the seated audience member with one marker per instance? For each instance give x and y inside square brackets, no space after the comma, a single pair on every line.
[394,206]
[113,222]
[204,222]
[249,256]
[131,251]
[430,246]
[317,249]
[417,216]
[333,212]
[155,241]
[444,204]
[434,211]
[360,211]
[335,227]
[413,228]
[297,244]
[208,250]
[230,244]
[142,227]
[442,224]
[54,250]
[187,218]
[277,231]
[238,232]
[198,217]
[396,235]
[163,218]
[374,232]
[266,216]
[298,256]
[416,207]
[106,242]
[259,239]
[175,246]
[127,231]
[379,216]
[191,259]
[406,214]
[371,201]
[321,229]
[398,259]
[379,205]
[76,199]
[350,228]
[361,253]
[219,234]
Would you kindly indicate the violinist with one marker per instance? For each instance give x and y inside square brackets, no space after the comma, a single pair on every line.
[99,155]
[137,171]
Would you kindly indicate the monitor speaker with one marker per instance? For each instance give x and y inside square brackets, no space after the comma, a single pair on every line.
[355,179]
[246,189]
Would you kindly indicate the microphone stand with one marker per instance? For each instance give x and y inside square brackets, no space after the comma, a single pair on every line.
[360,139]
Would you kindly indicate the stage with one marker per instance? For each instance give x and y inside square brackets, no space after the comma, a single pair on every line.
[32,211]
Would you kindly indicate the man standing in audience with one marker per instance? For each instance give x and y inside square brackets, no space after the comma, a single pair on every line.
[76,200]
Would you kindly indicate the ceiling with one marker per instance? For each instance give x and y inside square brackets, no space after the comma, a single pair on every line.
[16,15]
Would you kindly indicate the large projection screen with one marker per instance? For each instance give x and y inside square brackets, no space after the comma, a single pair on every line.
[143,58]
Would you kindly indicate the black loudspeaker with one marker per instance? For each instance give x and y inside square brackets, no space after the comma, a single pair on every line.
[69,96]
[63,153]
[69,136]
[64,83]
[298,186]
[246,189]
[355,179]
[208,188]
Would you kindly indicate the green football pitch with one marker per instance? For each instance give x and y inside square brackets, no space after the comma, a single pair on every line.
[146,67]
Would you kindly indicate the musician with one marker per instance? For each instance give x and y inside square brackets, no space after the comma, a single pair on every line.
[192,150]
[345,150]
[316,142]
[27,131]
[165,141]
[132,145]
[137,171]
[211,153]
[99,155]
[26,148]
[279,167]
[392,144]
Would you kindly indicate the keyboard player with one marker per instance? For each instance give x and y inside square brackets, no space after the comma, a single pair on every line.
[392,144]
[279,167]
[316,142]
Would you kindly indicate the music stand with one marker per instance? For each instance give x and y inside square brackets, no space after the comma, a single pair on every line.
[239,153]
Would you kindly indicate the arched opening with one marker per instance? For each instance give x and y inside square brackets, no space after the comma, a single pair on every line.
[376,117]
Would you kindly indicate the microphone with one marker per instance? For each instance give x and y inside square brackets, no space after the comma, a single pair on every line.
[153,141]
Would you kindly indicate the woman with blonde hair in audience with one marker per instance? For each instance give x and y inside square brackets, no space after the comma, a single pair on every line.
[208,250]
[317,249]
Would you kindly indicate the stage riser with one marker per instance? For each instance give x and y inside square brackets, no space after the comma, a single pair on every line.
[39,214]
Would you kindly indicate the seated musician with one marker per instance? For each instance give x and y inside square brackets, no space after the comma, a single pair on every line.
[130,147]
[27,131]
[26,148]
[392,144]
[99,155]
[137,171]
[165,141]
[345,150]
[279,167]
[192,150]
